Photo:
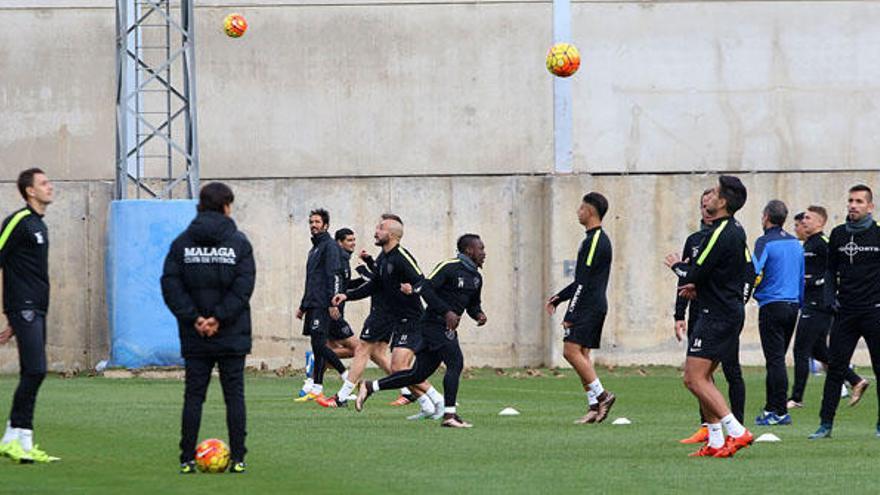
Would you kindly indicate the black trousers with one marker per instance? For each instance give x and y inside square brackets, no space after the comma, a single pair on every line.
[198,376]
[736,386]
[811,340]
[848,328]
[30,335]
[440,346]
[776,324]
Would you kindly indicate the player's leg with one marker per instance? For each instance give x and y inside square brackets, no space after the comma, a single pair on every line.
[736,386]
[232,381]
[582,365]
[811,327]
[197,371]
[30,336]
[426,364]
[871,334]
[451,355]
[844,337]
[771,328]
[364,350]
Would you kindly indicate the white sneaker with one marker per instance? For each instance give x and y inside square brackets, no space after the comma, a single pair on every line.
[439,407]
[843,391]
[420,415]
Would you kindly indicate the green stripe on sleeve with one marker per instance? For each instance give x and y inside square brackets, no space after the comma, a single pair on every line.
[711,244]
[593,247]
[441,265]
[11,226]
[411,261]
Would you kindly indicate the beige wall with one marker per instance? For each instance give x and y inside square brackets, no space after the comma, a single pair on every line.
[528,224]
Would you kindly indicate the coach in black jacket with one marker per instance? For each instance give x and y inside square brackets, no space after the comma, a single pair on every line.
[207,283]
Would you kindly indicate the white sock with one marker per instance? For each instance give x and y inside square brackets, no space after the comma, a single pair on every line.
[405,391]
[435,396]
[345,376]
[11,433]
[449,410]
[591,398]
[734,428]
[26,437]
[345,391]
[426,404]
[716,436]
[596,387]
[317,389]
[307,385]
[376,386]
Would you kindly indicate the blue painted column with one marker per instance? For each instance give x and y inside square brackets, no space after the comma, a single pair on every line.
[562,98]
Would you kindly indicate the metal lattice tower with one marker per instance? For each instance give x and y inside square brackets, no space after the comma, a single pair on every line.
[156,133]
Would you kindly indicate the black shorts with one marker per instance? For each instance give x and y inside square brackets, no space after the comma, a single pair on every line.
[408,335]
[714,338]
[340,330]
[316,320]
[377,329]
[435,336]
[587,331]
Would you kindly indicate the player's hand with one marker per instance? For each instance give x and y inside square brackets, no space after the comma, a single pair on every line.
[452,320]
[567,324]
[334,313]
[200,326]
[212,326]
[672,259]
[406,288]
[680,330]
[481,319]
[365,256]
[688,291]
[551,305]
[299,314]
[6,334]
[338,299]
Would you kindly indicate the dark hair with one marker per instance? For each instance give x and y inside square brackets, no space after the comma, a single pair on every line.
[392,216]
[598,202]
[321,212]
[342,233]
[819,210]
[214,196]
[465,241]
[862,187]
[26,180]
[776,212]
[732,190]
[798,216]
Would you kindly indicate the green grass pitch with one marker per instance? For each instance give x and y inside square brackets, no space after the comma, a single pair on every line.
[120,436]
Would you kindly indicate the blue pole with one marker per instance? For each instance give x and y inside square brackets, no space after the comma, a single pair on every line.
[562,98]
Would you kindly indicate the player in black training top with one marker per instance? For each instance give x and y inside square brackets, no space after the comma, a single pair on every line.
[395,313]
[853,277]
[717,278]
[587,306]
[452,288]
[323,281]
[814,322]
[736,387]
[24,259]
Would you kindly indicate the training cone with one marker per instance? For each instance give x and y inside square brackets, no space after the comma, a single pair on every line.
[768,437]
[622,421]
[509,411]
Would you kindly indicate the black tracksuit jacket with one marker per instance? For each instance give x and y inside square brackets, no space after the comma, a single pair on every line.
[587,292]
[392,269]
[24,259]
[454,285]
[723,272]
[322,273]
[690,251]
[854,268]
[816,296]
[210,271]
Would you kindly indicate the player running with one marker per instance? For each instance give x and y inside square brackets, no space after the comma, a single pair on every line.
[716,278]
[452,288]
[588,305]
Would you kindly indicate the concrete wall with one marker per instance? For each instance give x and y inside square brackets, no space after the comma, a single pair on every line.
[442,112]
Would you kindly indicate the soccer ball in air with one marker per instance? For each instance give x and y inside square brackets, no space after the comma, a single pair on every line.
[563,59]
[235,25]
[212,456]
